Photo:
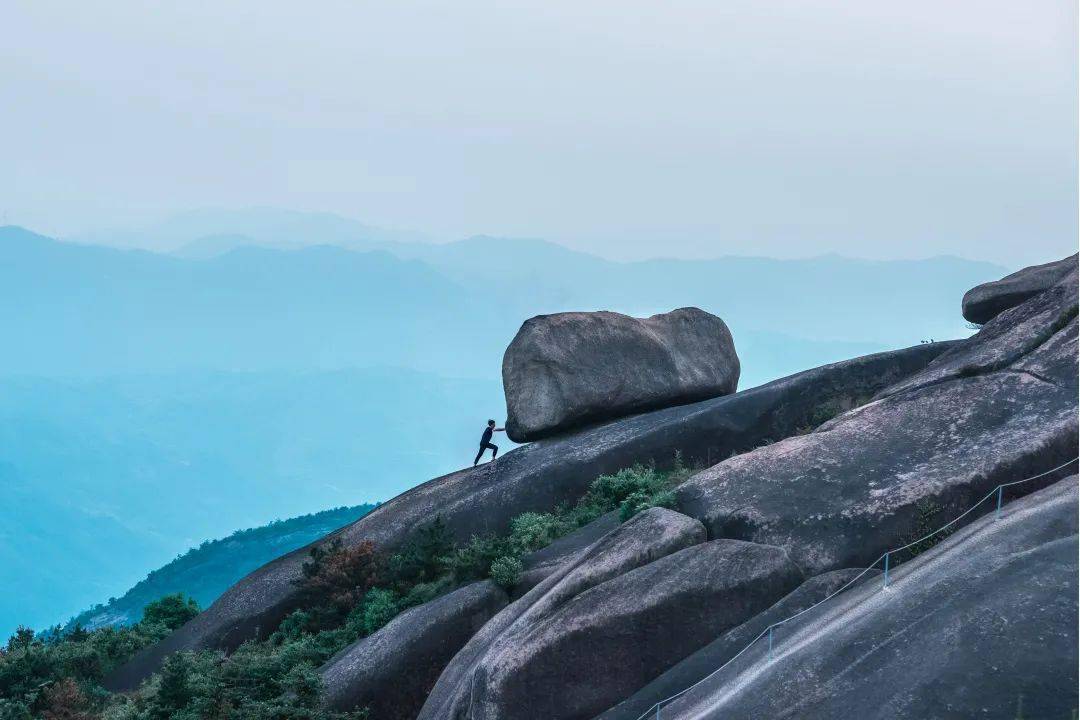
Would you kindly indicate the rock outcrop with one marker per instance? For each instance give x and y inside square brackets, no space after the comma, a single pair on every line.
[541,475]
[995,408]
[570,369]
[983,303]
[699,665]
[983,625]
[643,539]
[601,645]
[391,671]
[540,564]
[817,472]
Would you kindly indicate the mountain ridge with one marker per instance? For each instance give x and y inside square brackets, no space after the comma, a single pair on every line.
[205,571]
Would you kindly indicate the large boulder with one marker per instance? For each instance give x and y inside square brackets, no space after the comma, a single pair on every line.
[998,407]
[985,302]
[391,671]
[565,370]
[539,476]
[603,644]
[699,665]
[983,625]
[643,539]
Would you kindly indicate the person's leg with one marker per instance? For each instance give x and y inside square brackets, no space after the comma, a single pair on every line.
[494,450]
[479,455]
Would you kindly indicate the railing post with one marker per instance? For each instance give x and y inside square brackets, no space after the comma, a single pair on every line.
[997,513]
[886,570]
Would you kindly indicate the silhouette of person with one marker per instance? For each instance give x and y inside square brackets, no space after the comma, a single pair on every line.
[485,441]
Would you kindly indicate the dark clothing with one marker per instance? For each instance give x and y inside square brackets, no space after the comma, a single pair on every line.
[484,446]
[486,437]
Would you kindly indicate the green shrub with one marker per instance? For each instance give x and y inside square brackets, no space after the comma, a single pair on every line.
[335,578]
[380,607]
[174,691]
[171,611]
[641,500]
[345,593]
[473,560]
[531,531]
[611,490]
[635,489]
[426,592]
[506,571]
[424,557]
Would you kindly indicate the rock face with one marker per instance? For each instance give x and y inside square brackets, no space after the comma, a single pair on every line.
[985,302]
[998,407]
[643,539]
[561,665]
[391,671]
[544,562]
[983,625]
[566,370]
[705,661]
[824,470]
[541,475]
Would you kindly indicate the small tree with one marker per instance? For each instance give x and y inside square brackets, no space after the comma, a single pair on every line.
[63,700]
[22,639]
[426,555]
[506,571]
[172,611]
[173,691]
[336,578]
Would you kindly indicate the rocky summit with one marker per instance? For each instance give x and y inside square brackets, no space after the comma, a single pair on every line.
[785,499]
[983,303]
[566,370]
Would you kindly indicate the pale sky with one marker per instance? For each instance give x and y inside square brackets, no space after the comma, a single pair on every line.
[630,128]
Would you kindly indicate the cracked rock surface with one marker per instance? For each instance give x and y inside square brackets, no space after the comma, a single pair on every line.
[982,626]
[539,476]
[995,408]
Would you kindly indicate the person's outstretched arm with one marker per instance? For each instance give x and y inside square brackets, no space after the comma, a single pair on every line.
[500,429]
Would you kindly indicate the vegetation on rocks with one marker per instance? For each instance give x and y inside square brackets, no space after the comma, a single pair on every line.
[347,593]
[57,674]
[204,572]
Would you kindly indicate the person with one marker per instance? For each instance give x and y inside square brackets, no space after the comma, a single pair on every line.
[485,442]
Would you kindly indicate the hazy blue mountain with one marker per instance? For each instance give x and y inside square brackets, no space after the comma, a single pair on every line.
[206,571]
[70,309]
[449,309]
[883,303]
[262,225]
[149,401]
[105,479]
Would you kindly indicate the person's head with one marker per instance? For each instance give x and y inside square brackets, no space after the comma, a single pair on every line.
[491,423]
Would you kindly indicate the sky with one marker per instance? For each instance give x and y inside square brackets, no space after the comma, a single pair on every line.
[627,128]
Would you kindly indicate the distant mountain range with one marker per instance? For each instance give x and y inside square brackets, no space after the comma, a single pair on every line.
[106,478]
[449,309]
[206,571]
[264,364]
